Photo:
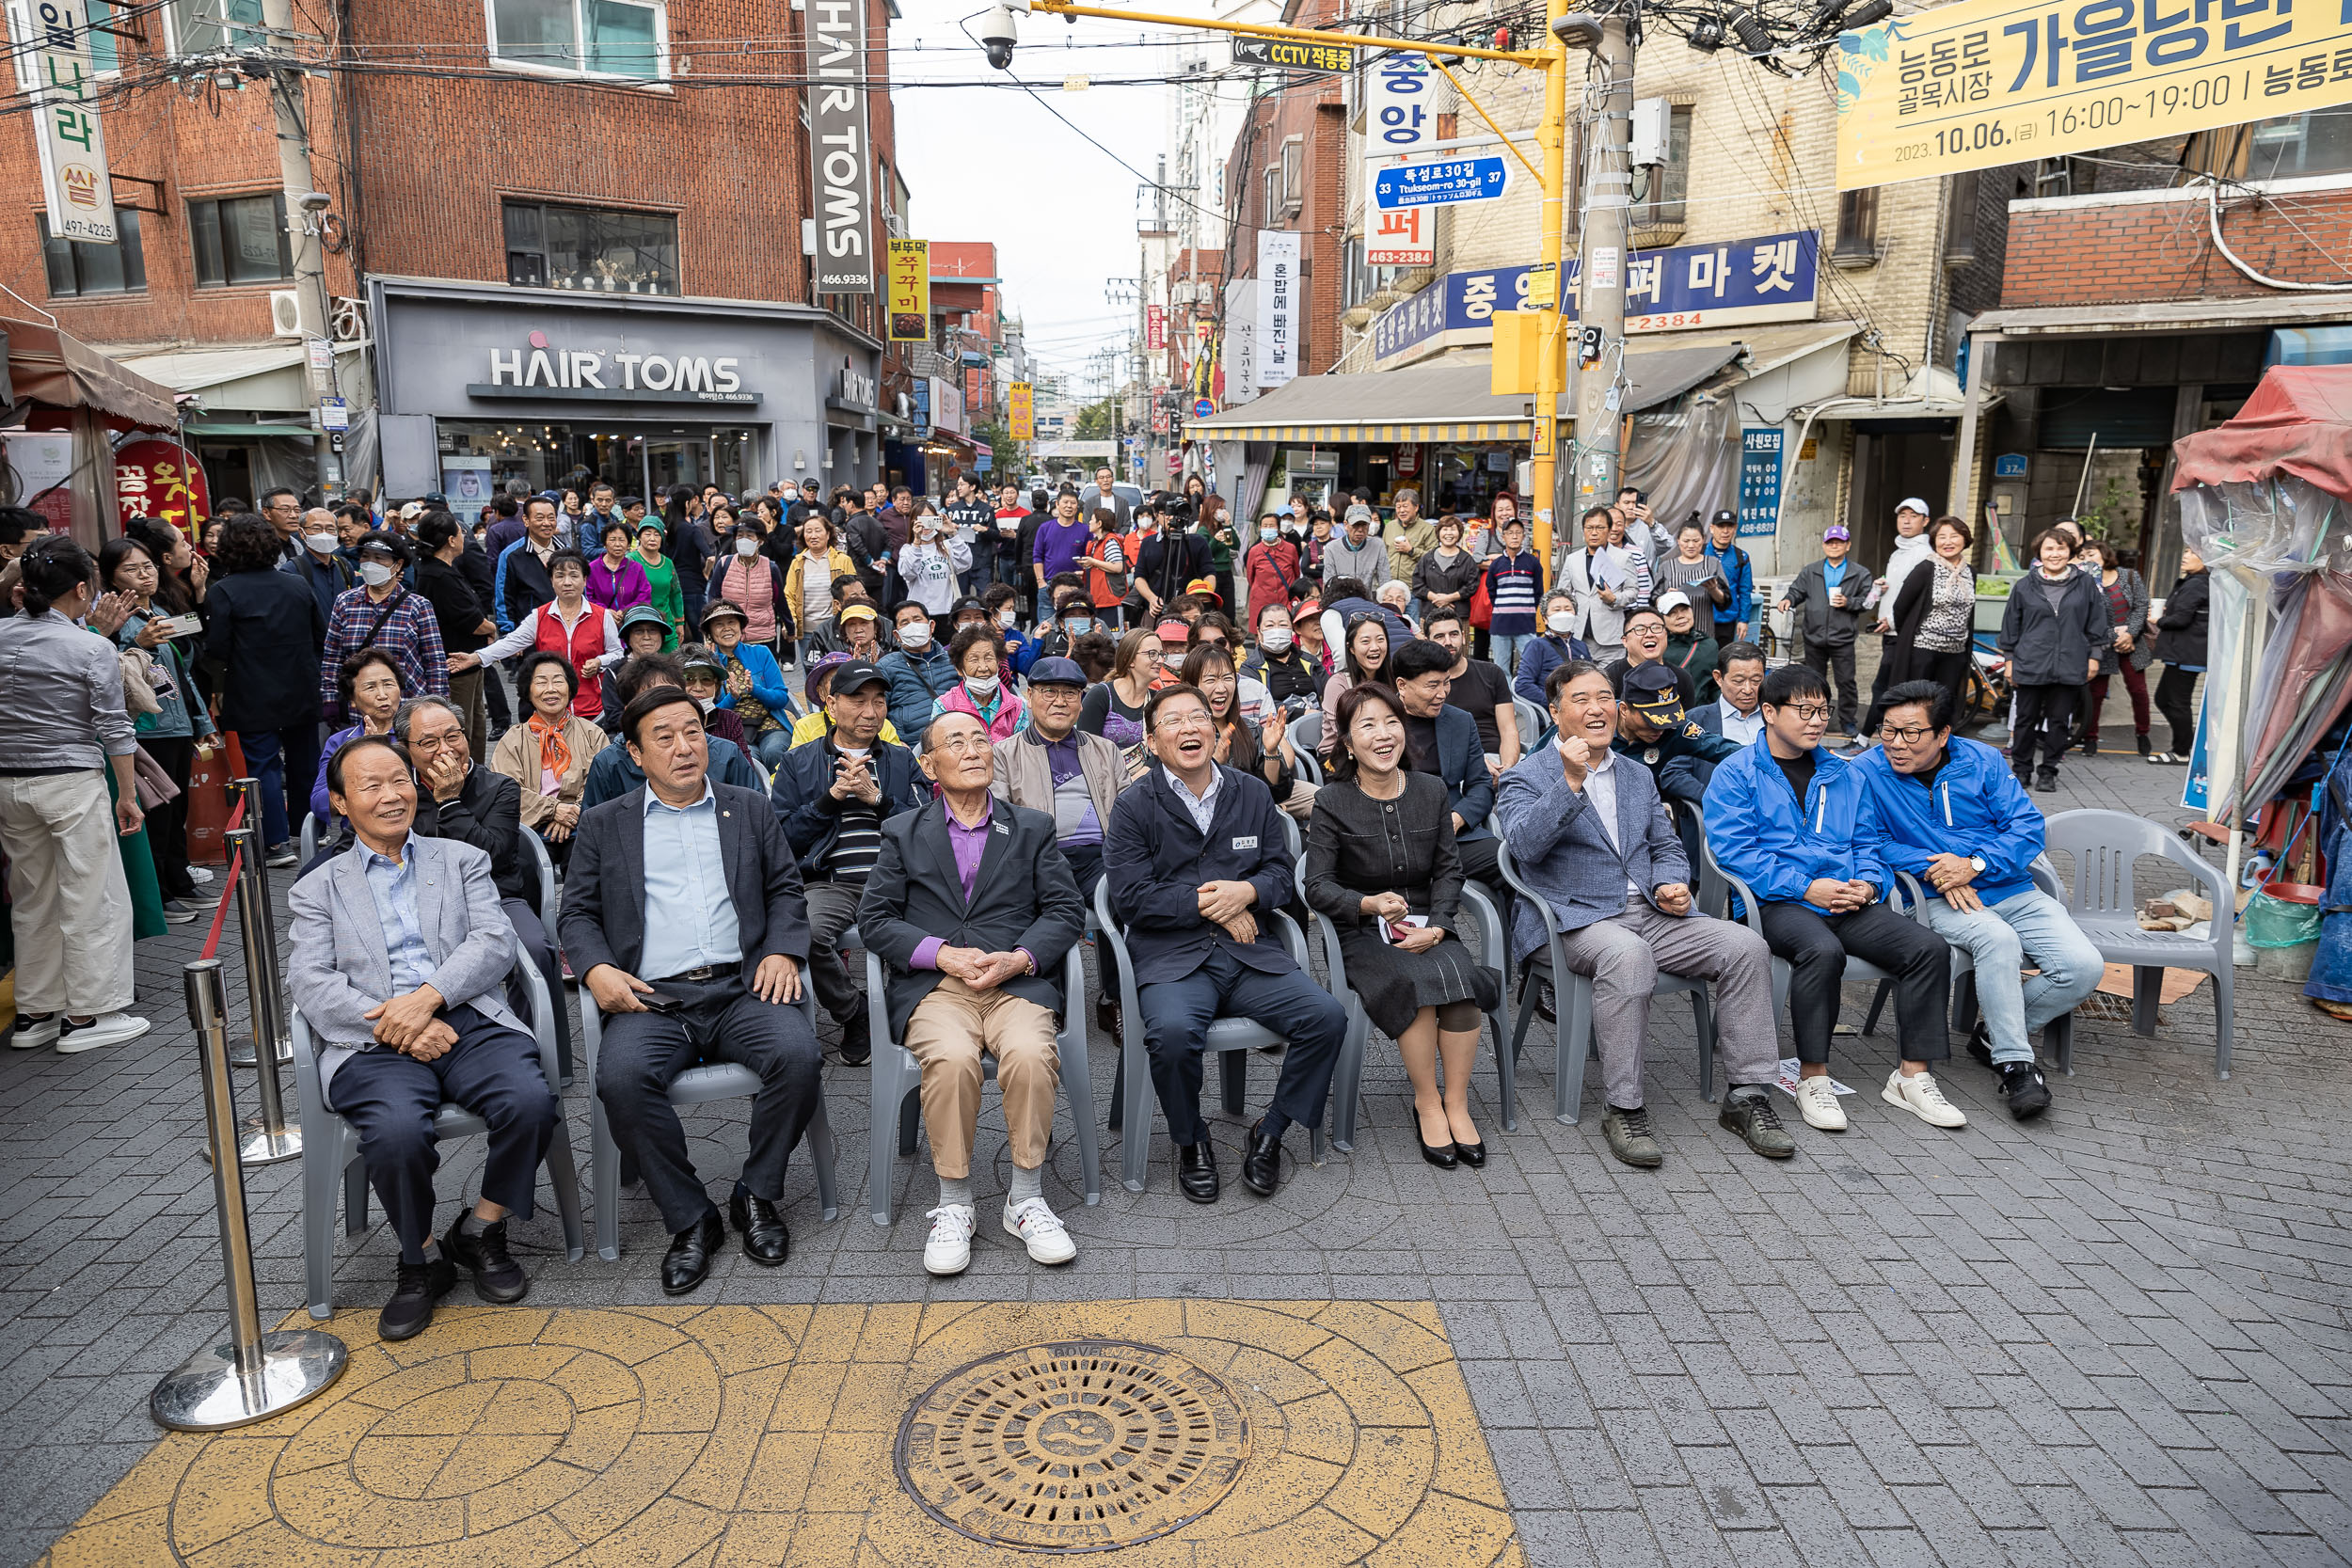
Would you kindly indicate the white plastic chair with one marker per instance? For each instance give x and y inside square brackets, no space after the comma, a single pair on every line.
[696,1086]
[897,1076]
[330,1152]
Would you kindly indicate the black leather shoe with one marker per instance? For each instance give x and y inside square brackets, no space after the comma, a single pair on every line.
[497,1277]
[1980,1043]
[1106,1016]
[1196,1171]
[1473,1155]
[410,1309]
[857,1042]
[686,1263]
[766,1241]
[1261,1163]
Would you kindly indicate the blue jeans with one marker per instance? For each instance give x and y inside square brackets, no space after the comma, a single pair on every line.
[286,763]
[1505,648]
[770,747]
[2001,938]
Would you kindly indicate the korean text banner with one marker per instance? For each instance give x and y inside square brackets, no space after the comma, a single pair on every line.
[1022,412]
[1982,83]
[910,291]
[1278,307]
[841,160]
[74,181]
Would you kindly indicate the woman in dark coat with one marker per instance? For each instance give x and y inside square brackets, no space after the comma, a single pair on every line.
[2057,636]
[1381,864]
[1935,621]
[2127,620]
[264,633]
[2181,643]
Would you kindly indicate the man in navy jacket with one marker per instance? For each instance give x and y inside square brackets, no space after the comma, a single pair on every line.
[1793,821]
[1956,819]
[1197,864]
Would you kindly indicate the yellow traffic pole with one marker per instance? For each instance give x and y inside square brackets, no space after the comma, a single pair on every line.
[1551,355]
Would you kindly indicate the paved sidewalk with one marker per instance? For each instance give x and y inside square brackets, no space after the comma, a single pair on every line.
[2118,1334]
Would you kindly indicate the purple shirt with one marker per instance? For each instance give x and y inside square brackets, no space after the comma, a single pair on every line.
[969,844]
[621,590]
[1057,548]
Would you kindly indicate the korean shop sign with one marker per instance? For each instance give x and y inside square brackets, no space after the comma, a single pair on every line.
[74,180]
[1400,121]
[1981,82]
[1766,278]
[839,156]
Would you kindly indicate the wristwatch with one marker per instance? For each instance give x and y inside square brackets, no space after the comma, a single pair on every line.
[1976,863]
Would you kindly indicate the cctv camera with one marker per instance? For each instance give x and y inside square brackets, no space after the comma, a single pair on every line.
[997,37]
[316,202]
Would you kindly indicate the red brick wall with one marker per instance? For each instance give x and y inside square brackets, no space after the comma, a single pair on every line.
[2153,251]
[1313,111]
[436,153]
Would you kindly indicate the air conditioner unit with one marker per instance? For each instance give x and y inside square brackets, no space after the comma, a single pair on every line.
[285,313]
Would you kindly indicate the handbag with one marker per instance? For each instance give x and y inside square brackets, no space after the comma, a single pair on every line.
[1482,604]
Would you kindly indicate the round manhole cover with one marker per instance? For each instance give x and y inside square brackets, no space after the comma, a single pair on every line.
[1085,1446]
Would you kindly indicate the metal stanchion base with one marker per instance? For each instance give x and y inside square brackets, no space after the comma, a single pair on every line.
[241,1051]
[258,1145]
[206,1394]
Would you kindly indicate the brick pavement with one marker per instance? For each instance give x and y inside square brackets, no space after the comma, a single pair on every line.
[2120,1335]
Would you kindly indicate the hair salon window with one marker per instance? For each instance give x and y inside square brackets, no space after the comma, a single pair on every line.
[593,248]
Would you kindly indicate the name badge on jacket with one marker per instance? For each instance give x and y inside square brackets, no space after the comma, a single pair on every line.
[1247,841]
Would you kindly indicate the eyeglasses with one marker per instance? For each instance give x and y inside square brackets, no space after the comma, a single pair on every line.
[1188,719]
[1908,736]
[964,745]
[1809,712]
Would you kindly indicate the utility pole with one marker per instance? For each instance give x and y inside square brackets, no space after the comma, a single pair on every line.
[1600,295]
[1551,377]
[304,203]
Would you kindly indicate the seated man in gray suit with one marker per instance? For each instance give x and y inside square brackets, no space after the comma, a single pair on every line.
[1593,841]
[972,909]
[400,951]
[685,920]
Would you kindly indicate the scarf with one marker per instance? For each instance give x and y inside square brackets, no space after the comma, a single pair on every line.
[554,755]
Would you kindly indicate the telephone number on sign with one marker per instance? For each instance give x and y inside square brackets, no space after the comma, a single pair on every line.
[2111,111]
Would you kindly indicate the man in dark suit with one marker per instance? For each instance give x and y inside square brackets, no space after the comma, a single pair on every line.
[685,921]
[1195,857]
[1443,741]
[973,909]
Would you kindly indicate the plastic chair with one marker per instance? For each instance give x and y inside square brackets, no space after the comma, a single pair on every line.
[536,850]
[310,837]
[2059,1036]
[2103,902]
[1572,1021]
[1533,722]
[330,1152]
[897,1076]
[696,1086]
[1307,735]
[1309,766]
[1233,1039]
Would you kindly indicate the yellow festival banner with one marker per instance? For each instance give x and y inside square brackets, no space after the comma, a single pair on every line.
[910,291]
[1023,411]
[1989,81]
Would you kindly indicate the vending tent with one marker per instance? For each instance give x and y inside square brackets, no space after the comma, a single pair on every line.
[58,385]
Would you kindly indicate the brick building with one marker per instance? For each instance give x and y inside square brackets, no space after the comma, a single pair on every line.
[616,188]
[1287,169]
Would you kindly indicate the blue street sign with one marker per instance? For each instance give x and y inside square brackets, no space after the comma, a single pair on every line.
[1432,184]
[1202,408]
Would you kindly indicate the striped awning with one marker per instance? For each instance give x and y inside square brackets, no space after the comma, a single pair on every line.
[1460,430]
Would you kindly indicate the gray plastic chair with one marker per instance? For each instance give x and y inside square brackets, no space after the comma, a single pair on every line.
[536,850]
[1572,1022]
[308,837]
[1309,766]
[1232,1038]
[696,1086]
[897,1076]
[2102,900]
[1307,735]
[1750,913]
[330,1152]
[1533,722]
[2058,1037]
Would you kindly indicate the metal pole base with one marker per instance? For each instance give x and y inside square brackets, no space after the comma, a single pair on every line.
[258,1145]
[241,1051]
[207,1394]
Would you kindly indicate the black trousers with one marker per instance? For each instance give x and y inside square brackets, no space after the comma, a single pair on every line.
[533,933]
[832,909]
[2043,718]
[1176,1017]
[1834,662]
[167,824]
[1817,946]
[1948,671]
[720,1021]
[389,1099]
[2174,693]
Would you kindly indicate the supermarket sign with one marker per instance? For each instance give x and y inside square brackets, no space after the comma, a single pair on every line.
[1770,277]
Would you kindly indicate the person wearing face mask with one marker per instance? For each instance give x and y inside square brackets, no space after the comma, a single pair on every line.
[1278,663]
[978,655]
[1540,656]
[746,578]
[320,565]
[1166,560]
[1002,602]
[931,564]
[1268,568]
[383,613]
[919,672]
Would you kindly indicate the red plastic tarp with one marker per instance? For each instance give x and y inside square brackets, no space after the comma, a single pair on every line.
[2298,422]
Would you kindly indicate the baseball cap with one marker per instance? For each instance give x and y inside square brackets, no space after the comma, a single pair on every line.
[433,499]
[412,511]
[1913,503]
[1650,691]
[1056,671]
[1676,600]
[857,673]
[1726,517]
[820,670]
[1173,631]
[1836,531]
[858,609]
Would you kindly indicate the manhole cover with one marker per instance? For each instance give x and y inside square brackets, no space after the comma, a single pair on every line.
[1085,1446]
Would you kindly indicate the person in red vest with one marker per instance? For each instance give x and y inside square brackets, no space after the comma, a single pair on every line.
[586,634]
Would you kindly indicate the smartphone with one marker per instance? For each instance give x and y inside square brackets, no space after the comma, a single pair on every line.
[659,1002]
[181,626]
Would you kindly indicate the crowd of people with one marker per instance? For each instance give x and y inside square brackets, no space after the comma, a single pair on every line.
[740,731]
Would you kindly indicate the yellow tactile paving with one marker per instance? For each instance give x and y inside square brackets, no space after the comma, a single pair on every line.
[1313,1433]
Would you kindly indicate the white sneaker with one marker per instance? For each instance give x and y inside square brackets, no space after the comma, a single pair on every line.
[200,874]
[1048,1238]
[106,1029]
[1923,1097]
[40,1032]
[949,1248]
[1818,1101]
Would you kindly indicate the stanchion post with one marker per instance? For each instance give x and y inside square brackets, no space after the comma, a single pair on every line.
[256,1374]
[267,1139]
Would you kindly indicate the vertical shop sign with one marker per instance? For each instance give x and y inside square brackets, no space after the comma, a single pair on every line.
[74,180]
[1278,307]
[1023,411]
[1399,122]
[840,158]
[1759,482]
[910,291]
[1154,327]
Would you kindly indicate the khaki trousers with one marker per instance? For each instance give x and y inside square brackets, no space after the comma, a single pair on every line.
[947,1034]
[70,900]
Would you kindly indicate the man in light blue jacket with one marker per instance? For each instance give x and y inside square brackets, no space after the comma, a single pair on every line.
[1793,822]
[1956,819]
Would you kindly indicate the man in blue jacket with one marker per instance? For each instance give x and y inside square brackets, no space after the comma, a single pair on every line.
[834,795]
[919,672]
[1723,543]
[1794,822]
[1197,864]
[1956,819]
[1443,741]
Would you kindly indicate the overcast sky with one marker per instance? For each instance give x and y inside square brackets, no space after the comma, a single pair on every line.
[990,163]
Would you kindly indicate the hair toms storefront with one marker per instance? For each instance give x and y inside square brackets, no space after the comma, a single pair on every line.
[482,385]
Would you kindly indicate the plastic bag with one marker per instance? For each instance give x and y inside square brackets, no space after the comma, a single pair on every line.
[2275,923]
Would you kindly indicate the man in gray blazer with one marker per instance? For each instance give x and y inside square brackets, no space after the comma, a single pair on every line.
[1592,840]
[400,952]
[685,919]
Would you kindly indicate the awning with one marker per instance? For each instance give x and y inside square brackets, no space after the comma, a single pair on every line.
[255,377]
[2165,315]
[56,370]
[1444,402]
